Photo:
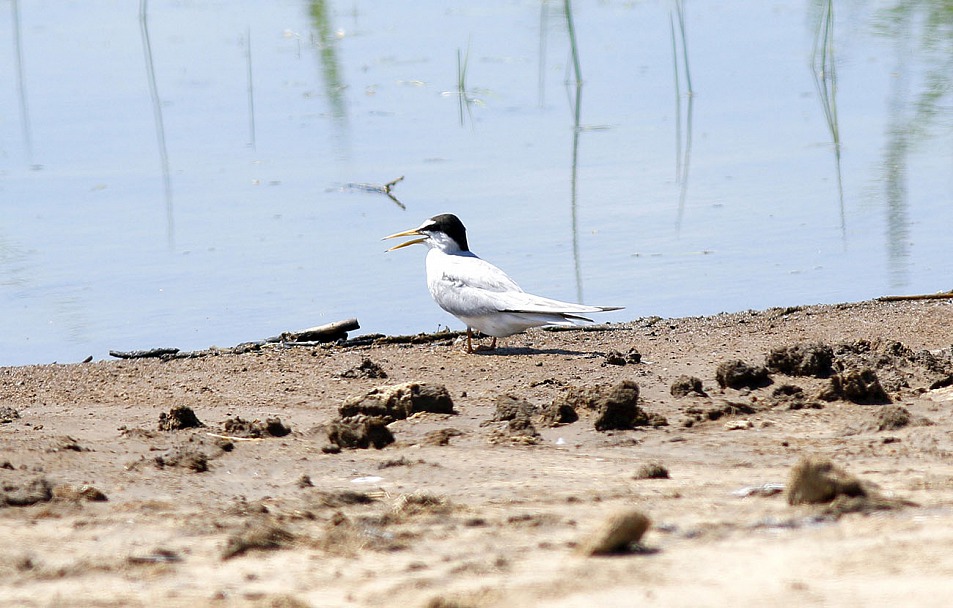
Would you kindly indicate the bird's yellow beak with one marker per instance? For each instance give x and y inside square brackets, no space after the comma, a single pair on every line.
[413,232]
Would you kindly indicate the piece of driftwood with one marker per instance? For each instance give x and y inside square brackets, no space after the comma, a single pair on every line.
[943,295]
[420,338]
[143,354]
[331,332]
[583,328]
[314,336]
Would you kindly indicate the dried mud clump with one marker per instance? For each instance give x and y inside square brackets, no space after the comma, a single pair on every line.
[255,429]
[25,494]
[614,357]
[183,458]
[510,407]
[343,498]
[441,437]
[418,504]
[896,365]
[399,401]
[652,470]
[616,407]
[801,360]
[178,418]
[518,414]
[738,374]
[857,385]
[617,535]
[687,386]
[792,397]
[558,413]
[894,417]
[360,432]
[259,535]
[83,493]
[367,369]
[65,443]
[816,480]
[697,414]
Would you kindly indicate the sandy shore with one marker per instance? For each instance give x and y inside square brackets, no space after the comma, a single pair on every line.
[111,498]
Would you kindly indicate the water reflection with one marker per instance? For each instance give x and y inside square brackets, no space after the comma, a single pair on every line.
[252,135]
[683,146]
[922,33]
[21,84]
[157,117]
[326,44]
[575,102]
[824,71]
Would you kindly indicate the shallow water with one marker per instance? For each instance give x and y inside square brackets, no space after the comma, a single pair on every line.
[183,180]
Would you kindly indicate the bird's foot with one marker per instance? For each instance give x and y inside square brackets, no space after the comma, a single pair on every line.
[479,348]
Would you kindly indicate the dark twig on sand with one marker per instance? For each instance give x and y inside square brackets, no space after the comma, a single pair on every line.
[943,295]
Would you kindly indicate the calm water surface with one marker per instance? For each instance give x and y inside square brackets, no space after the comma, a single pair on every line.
[183,178]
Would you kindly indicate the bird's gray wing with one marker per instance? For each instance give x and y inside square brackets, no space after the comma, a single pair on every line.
[473,286]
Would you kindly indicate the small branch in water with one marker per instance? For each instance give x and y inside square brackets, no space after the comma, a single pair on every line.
[392,183]
[943,295]
[377,188]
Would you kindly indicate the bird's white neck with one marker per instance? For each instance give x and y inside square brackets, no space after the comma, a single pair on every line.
[442,242]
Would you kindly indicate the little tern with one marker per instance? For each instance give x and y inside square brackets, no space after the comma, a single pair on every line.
[477,292]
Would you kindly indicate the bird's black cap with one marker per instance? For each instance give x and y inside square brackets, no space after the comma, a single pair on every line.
[450,225]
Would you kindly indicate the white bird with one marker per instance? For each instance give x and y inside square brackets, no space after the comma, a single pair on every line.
[477,292]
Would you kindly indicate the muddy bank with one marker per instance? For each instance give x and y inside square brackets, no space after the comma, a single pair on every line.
[805,451]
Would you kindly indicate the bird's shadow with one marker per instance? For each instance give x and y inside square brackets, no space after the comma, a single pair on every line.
[526,350]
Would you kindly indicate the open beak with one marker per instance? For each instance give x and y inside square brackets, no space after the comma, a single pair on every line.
[413,232]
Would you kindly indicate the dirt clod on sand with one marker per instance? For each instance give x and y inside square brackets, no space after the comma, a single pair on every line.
[816,480]
[255,429]
[23,494]
[615,357]
[360,432]
[652,470]
[441,437]
[687,386]
[399,401]
[558,413]
[792,397]
[737,374]
[857,385]
[801,360]
[511,407]
[82,493]
[183,457]
[617,534]
[178,418]
[894,417]
[366,369]
[263,534]
[616,407]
